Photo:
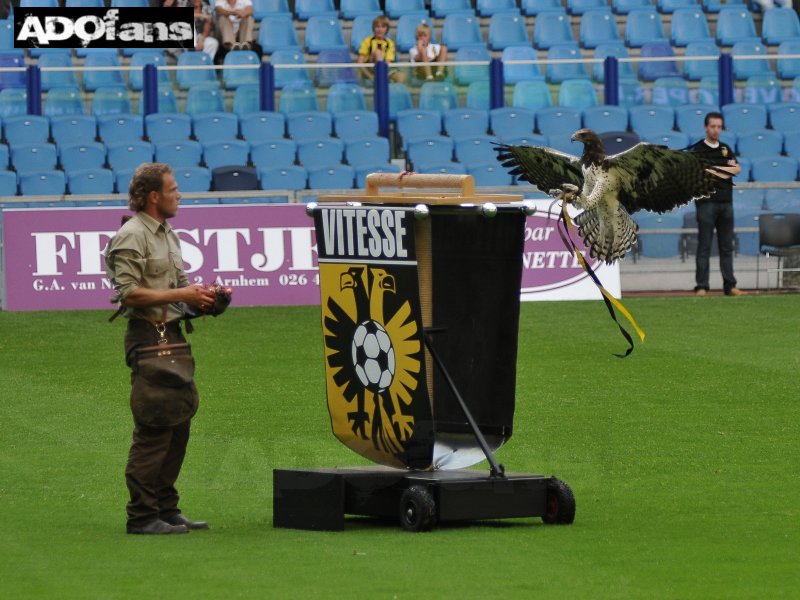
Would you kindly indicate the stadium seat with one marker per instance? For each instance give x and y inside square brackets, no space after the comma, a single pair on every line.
[120,127]
[285,75]
[735,24]
[73,128]
[234,178]
[754,144]
[14,101]
[552,28]
[8,187]
[510,121]
[708,91]
[367,151]
[563,142]
[321,152]
[782,199]
[167,102]
[33,157]
[580,7]
[165,127]
[762,89]
[460,29]
[192,179]
[82,156]
[670,91]
[577,93]
[774,168]
[478,96]
[475,150]
[441,8]
[489,8]
[322,32]
[605,118]
[658,245]
[111,77]
[631,93]
[788,68]
[413,124]
[558,72]
[437,95]
[443,168]
[532,8]
[350,9]
[26,129]
[672,6]
[428,150]
[465,122]
[696,69]
[749,200]
[648,121]
[51,79]
[232,78]
[298,96]
[623,7]
[91,181]
[5,157]
[785,117]
[85,4]
[204,98]
[689,25]
[331,177]
[780,25]
[531,95]
[741,117]
[343,97]
[745,68]
[309,125]
[507,29]
[122,179]
[643,26]
[557,119]
[6,34]
[259,126]
[406,31]
[513,74]
[111,101]
[399,99]
[128,155]
[277,32]
[305,9]
[266,8]
[43,183]
[273,153]
[354,124]
[598,27]
[617,49]
[490,174]
[466,74]
[361,27]
[183,153]
[675,140]
[246,100]
[12,59]
[293,177]
[148,57]
[714,6]
[186,78]
[224,154]
[327,76]
[215,127]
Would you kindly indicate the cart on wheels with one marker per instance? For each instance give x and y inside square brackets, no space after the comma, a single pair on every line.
[420,317]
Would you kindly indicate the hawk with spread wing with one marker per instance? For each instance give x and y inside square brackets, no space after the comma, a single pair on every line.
[611,188]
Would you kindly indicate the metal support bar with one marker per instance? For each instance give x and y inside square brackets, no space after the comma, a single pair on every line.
[611,80]
[497,470]
[382,97]
[496,84]
[33,85]
[266,87]
[725,79]
[150,89]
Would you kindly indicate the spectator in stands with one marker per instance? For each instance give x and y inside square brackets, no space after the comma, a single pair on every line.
[427,52]
[235,23]
[204,41]
[767,4]
[716,212]
[379,47]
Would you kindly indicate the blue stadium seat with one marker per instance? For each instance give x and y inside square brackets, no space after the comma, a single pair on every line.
[672,6]
[490,175]
[745,164]
[246,100]
[413,124]
[461,29]
[277,32]
[85,4]
[122,179]
[352,8]
[321,152]
[293,177]
[354,124]
[675,140]
[689,25]
[5,157]
[286,75]
[309,125]
[344,96]
[186,78]
[563,142]
[659,245]
[305,9]
[744,68]
[696,69]
[511,121]
[780,25]
[735,24]
[91,181]
[111,77]
[266,8]
[429,149]
[326,76]
[466,74]
[513,74]
[225,154]
[465,122]
[532,8]
[708,91]
[617,49]
[581,7]
[8,187]
[12,59]
[51,79]
[192,179]
[43,183]
[437,95]
[785,116]
[110,101]
[361,174]
[489,8]
[443,168]
[26,129]
[73,128]
[741,117]
[652,120]
[782,199]
[82,156]
[273,153]
[7,34]
[33,157]
[765,142]
[128,155]
[652,70]
[231,178]
[183,153]
[788,68]
[215,127]
[774,168]
[478,95]
[361,27]
[259,126]
[331,177]
[631,93]
[323,31]
[232,78]
[204,98]
[399,99]
[507,29]
[531,95]
[794,92]
[557,119]
[441,8]
[643,26]
[298,96]
[714,6]
[531,139]
[148,57]
[120,127]
[367,151]
[762,89]
[749,200]
[605,118]
[166,127]
[406,31]
[598,27]
[577,93]
[558,72]
[670,91]
[14,101]
[475,150]
[167,102]
[552,28]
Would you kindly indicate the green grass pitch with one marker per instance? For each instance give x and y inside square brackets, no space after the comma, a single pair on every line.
[684,459]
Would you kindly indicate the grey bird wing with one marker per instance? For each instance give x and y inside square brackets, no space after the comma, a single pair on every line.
[545,168]
[658,179]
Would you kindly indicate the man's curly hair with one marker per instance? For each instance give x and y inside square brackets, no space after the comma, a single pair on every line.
[149,177]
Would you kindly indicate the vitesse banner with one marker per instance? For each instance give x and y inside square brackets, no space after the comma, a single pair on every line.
[374,365]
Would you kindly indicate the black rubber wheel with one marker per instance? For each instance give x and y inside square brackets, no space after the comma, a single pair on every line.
[417,509]
[560,503]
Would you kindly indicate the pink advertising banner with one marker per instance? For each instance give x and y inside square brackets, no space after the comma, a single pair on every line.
[53,258]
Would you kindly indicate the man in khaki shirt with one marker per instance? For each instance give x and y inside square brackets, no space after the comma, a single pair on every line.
[145,266]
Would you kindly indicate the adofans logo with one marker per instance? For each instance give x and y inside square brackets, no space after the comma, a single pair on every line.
[101,28]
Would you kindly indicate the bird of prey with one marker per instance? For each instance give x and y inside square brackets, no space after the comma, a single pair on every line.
[611,188]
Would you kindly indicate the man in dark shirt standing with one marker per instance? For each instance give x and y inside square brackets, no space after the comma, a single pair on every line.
[717,210]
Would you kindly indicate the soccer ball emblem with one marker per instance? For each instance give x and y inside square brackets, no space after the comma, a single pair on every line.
[373,356]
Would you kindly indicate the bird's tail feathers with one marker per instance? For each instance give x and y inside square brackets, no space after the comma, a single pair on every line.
[607,243]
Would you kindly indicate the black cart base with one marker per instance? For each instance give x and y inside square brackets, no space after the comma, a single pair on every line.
[318,499]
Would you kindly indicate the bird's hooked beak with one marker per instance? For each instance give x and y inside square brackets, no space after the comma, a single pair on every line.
[578,136]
